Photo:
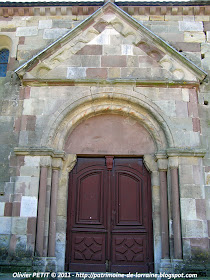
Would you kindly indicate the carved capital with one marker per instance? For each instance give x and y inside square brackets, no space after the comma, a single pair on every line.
[150,163]
[70,162]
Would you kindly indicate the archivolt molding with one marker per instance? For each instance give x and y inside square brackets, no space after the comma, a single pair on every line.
[113,102]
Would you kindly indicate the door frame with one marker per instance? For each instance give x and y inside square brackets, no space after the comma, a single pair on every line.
[147,164]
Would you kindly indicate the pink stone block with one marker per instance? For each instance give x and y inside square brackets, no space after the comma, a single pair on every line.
[90,50]
[8,209]
[16,209]
[200,209]
[96,73]
[193,109]
[196,125]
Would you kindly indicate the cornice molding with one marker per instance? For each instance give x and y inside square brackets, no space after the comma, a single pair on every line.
[38,151]
[102,82]
[182,152]
[148,9]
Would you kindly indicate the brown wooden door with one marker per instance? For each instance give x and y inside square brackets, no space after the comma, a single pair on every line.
[109,224]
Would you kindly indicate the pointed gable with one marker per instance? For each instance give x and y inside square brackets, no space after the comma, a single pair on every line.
[110,45]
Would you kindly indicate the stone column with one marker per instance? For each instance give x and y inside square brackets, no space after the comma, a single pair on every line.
[53,207]
[163,166]
[41,211]
[173,165]
[45,163]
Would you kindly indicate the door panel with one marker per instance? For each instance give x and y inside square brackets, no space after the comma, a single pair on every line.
[128,199]
[89,206]
[86,224]
[131,239]
[109,216]
[129,253]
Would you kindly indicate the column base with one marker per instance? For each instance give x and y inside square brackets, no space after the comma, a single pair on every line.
[45,264]
[166,266]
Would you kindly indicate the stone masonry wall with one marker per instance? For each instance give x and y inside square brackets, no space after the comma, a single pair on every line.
[25,113]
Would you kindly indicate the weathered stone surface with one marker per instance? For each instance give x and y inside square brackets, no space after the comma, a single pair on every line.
[90,50]
[45,24]
[28,206]
[168,107]
[54,33]
[188,209]
[96,73]
[76,72]
[192,191]
[19,226]
[90,61]
[2,205]
[190,26]
[194,229]
[181,109]
[29,171]
[57,23]
[113,61]
[5,225]
[194,37]
[27,31]
[200,209]
[189,47]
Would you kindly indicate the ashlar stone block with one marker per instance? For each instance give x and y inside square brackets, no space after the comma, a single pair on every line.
[188,208]
[27,31]
[28,206]
[194,229]
[90,61]
[127,49]
[192,191]
[43,24]
[19,225]
[208,210]
[2,205]
[110,49]
[185,95]
[76,72]
[167,106]
[200,209]
[104,37]
[54,33]
[29,171]
[32,161]
[5,227]
[194,37]
[190,26]
[186,174]
[181,109]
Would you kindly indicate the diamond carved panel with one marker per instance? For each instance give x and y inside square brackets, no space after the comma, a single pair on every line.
[129,249]
[88,248]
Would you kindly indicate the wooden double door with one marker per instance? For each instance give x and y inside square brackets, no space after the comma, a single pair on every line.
[109,217]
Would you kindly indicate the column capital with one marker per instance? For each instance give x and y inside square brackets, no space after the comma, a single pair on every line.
[150,163]
[57,163]
[45,161]
[173,162]
[70,162]
[162,161]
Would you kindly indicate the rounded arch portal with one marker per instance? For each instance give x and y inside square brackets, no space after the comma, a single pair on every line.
[110,134]
[140,109]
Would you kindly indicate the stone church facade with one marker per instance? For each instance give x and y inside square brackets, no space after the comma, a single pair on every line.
[110,82]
